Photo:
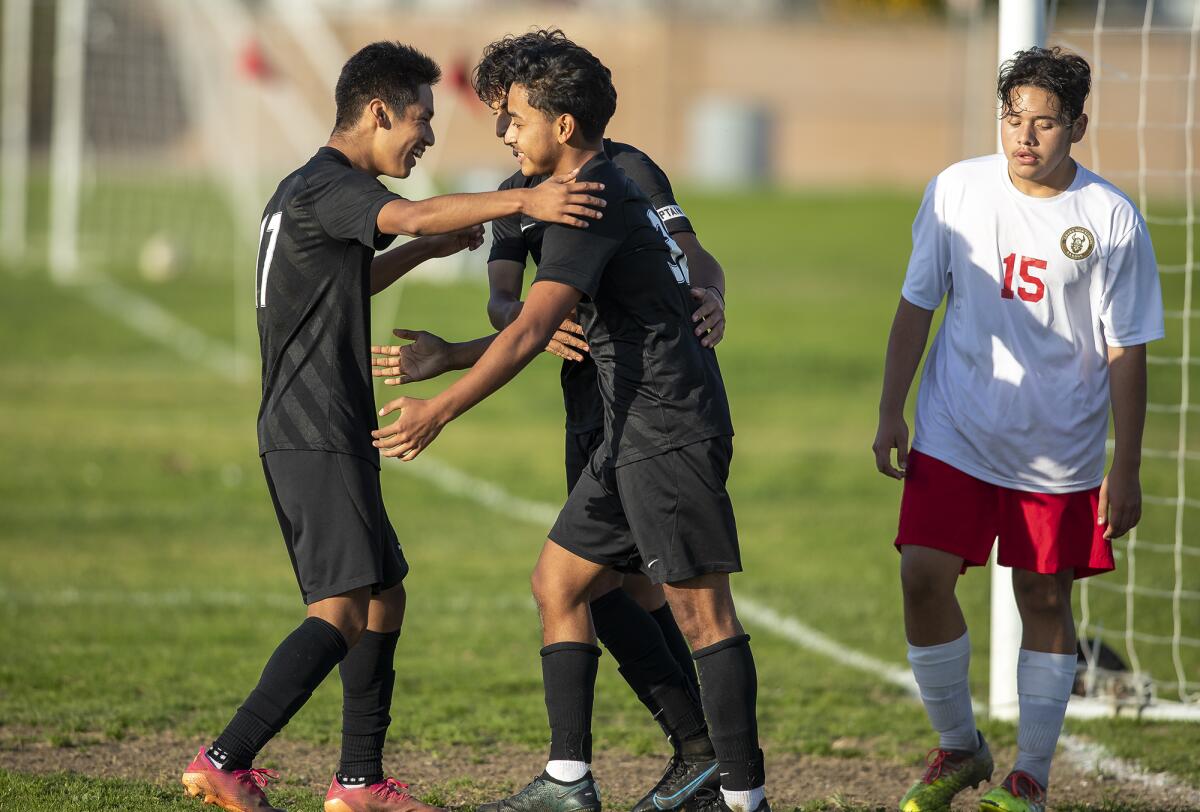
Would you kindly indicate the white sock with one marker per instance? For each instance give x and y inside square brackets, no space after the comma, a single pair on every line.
[567,771]
[941,673]
[746,801]
[1044,683]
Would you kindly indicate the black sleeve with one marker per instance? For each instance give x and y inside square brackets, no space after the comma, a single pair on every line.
[347,206]
[507,241]
[578,256]
[657,186]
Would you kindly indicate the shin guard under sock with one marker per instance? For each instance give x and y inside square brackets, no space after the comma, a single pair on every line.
[729,688]
[941,674]
[298,666]
[1044,683]
[646,662]
[569,679]
[367,681]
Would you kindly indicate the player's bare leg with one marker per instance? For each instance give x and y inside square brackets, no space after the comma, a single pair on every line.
[931,611]
[1045,677]
[705,611]
[939,651]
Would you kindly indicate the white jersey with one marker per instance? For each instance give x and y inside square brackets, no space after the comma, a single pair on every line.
[1015,388]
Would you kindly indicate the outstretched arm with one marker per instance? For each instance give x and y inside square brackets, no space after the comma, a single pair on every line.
[504,305]
[420,421]
[426,357]
[390,266]
[1121,491]
[906,343]
[559,199]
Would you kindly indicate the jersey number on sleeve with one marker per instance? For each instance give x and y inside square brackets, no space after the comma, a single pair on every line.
[270,225]
[1036,289]
[678,261]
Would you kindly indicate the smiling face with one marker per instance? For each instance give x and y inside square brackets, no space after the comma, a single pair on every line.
[400,141]
[537,139]
[1037,141]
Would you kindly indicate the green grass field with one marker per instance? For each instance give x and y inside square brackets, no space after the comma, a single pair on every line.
[143,582]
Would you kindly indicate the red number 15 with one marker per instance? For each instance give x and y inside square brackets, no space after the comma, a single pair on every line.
[1037,288]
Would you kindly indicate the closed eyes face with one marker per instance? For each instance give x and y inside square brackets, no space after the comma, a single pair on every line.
[1035,135]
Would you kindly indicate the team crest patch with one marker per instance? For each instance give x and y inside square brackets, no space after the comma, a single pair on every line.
[1077,242]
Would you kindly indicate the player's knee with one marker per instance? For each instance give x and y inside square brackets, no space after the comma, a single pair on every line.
[545,588]
[1041,594]
[922,584]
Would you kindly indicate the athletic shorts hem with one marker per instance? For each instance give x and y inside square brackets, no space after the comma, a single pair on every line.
[343,587]
[622,565]
[727,567]
[633,566]
[1083,571]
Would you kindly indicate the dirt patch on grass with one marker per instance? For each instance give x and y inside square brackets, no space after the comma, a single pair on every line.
[465,777]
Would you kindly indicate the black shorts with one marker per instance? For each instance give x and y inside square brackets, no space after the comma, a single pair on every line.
[580,448]
[330,508]
[668,516]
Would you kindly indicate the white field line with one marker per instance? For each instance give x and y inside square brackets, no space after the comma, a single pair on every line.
[290,603]
[163,327]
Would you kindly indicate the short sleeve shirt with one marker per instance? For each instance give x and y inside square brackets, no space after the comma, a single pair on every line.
[312,292]
[660,389]
[517,237]
[1015,386]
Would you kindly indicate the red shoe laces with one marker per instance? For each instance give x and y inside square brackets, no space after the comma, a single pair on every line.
[256,776]
[1023,785]
[936,759]
[391,790]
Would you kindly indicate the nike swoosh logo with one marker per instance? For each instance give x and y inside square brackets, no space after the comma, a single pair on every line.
[573,788]
[528,226]
[671,801]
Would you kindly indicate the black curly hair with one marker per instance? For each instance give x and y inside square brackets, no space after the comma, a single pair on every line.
[562,77]
[493,74]
[1065,75]
[390,71]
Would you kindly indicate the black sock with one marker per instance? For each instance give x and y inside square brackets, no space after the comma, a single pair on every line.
[569,677]
[298,666]
[729,686]
[367,681]
[636,642]
[678,646]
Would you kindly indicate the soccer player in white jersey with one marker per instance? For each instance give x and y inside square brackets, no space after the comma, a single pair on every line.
[1052,294]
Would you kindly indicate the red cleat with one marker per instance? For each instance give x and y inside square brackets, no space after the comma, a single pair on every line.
[231,790]
[389,795]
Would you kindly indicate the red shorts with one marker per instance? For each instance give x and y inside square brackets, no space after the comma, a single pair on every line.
[949,510]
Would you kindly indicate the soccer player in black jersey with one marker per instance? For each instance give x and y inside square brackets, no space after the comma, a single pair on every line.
[316,272]
[630,613]
[654,491]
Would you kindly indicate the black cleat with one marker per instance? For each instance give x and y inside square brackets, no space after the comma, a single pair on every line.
[708,800]
[679,784]
[544,794]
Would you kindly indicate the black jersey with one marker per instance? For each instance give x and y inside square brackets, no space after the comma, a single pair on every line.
[660,388]
[517,236]
[313,294]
